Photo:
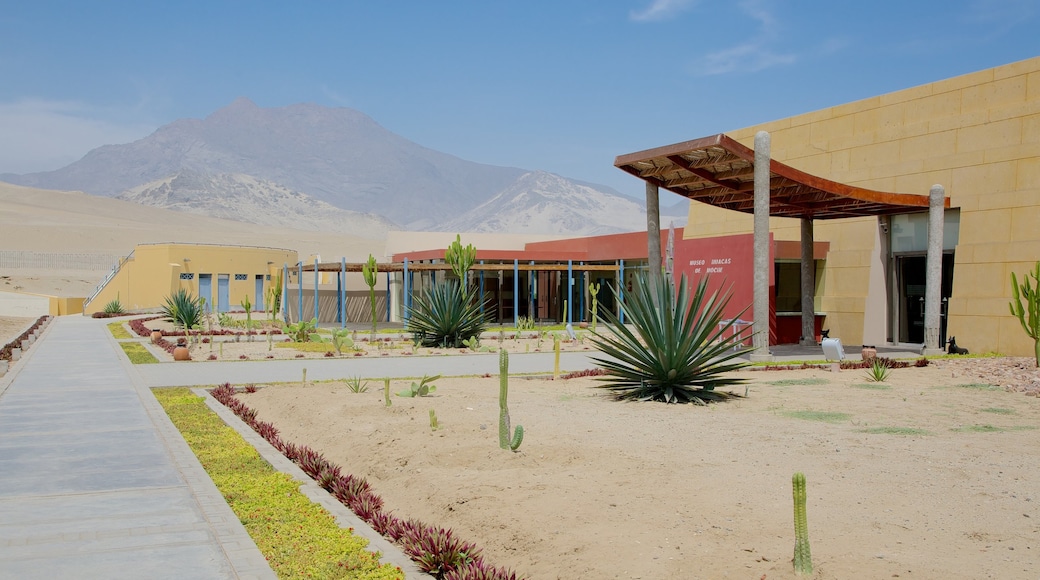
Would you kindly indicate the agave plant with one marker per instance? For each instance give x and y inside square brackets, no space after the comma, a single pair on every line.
[678,349]
[444,315]
[114,307]
[183,308]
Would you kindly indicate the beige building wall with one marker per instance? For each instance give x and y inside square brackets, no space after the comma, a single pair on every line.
[978,135]
[155,271]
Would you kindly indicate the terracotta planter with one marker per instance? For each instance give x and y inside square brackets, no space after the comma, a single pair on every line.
[180,352]
[156,335]
[869,353]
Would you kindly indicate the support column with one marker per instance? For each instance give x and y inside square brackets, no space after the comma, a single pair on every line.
[808,285]
[653,237]
[316,289]
[760,339]
[933,282]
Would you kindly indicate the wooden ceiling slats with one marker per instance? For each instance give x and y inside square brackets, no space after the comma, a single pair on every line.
[720,171]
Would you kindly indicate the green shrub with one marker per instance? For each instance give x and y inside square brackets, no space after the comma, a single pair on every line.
[679,351]
[298,538]
[444,316]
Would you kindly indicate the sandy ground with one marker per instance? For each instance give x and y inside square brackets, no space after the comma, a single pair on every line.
[38,220]
[12,326]
[929,475]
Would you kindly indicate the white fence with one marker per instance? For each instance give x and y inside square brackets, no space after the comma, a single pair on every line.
[15,259]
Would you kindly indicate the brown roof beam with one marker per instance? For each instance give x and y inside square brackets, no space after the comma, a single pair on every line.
[702,173]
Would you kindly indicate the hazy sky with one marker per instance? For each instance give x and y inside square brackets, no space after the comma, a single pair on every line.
[563,86]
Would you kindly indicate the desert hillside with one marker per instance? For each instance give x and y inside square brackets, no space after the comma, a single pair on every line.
[37,220]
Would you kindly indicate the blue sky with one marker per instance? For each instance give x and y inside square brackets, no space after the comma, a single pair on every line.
[563,86]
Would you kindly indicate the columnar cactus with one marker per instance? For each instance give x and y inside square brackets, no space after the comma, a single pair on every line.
[802,557]
[556,354]
[369,270]
[593,291]
[1029,313]
[386,391]
[504,440]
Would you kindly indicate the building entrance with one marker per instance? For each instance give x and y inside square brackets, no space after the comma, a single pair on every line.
[911,273]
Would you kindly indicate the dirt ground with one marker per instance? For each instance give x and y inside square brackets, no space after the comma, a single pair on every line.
[12,326]
[931,474]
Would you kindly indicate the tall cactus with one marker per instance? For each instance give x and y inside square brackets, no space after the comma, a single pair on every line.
[504,440]
[802,557]
[556,357]
[1028,314]
[593,291]
[369,270]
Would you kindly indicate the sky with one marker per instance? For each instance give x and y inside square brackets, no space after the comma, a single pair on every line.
[563,86]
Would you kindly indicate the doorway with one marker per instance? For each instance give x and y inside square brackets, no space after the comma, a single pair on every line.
[911,276]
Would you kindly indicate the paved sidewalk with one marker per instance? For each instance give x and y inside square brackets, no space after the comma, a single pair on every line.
[95,482]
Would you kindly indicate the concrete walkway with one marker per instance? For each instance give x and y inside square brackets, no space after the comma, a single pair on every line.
[96,482]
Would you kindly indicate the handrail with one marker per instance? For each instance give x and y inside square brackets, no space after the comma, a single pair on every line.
[108,278]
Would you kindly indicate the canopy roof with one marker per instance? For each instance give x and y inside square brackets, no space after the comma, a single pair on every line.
[720,171]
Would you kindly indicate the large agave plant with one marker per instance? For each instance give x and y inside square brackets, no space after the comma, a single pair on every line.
[444,316]
[183,308]
[676,351]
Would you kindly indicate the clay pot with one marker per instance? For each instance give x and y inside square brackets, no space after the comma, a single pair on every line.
[869,353]
[156,335]
[180,352]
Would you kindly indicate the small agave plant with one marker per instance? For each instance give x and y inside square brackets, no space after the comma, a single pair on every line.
[677,349]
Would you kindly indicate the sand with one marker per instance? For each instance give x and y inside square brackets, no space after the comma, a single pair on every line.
[37,220]
[928,475]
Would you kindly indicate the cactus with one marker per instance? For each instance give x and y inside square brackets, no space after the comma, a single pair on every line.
[802,557]
[593,290]
[248,307]
[434,425]
[1029,314]
[305,376]
[461,259]
[386,391]
[369,269]
[556,354]
[504,440]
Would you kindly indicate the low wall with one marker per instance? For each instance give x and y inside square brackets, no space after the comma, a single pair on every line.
[19,304]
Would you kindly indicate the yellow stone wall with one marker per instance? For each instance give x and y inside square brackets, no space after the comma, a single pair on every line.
[978,135]
[153,273]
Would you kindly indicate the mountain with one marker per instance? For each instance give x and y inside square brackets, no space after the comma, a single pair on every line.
[274,164]
[250,199]
[544,203]
[336,155]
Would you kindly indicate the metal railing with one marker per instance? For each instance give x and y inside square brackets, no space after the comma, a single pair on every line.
[108,278]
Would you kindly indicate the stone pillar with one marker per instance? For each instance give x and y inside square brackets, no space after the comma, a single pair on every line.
[808,285]
[653,237]
[933,287]
[760,340]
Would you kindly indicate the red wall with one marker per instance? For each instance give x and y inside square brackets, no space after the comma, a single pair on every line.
[728,262]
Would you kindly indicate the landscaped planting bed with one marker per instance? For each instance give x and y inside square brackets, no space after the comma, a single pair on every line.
[930,477]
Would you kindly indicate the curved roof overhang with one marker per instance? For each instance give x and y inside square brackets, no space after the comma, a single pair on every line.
[719,171]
